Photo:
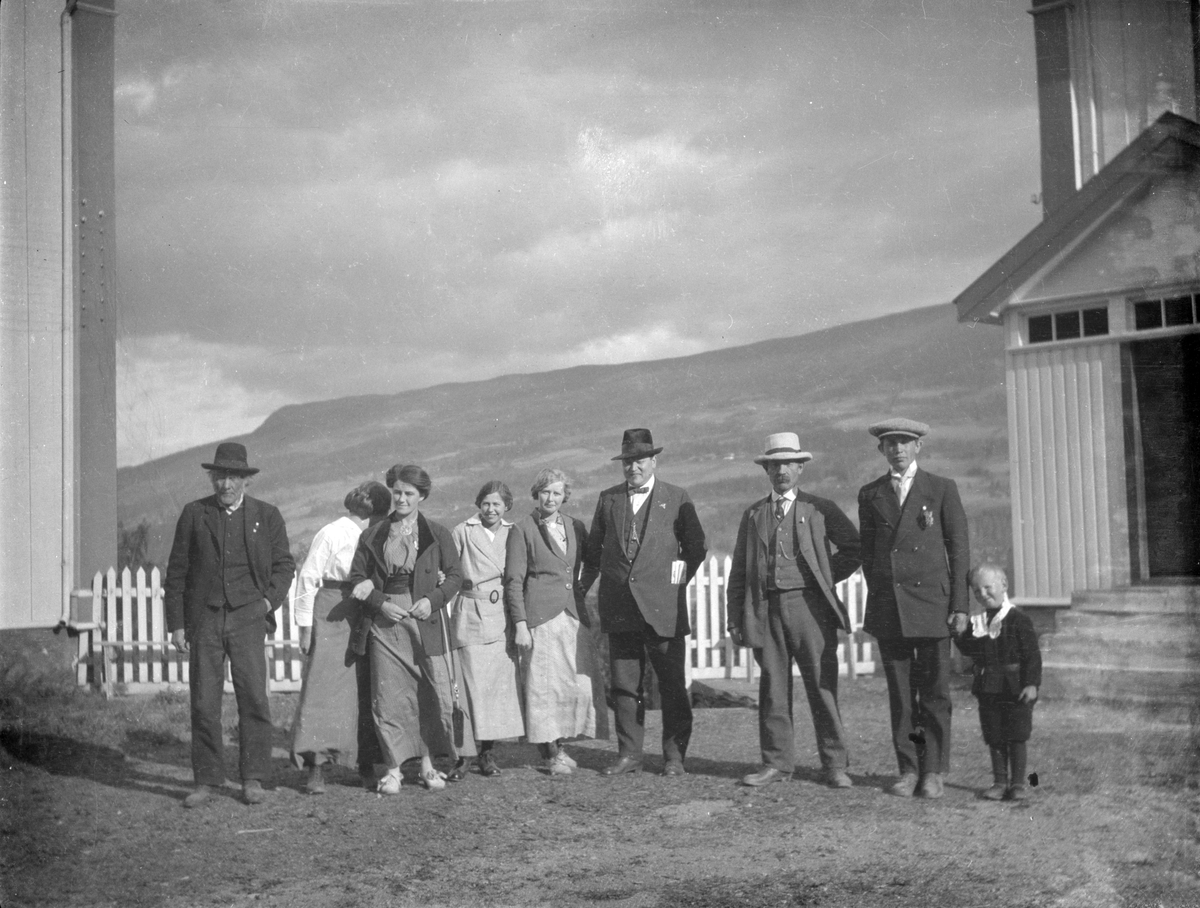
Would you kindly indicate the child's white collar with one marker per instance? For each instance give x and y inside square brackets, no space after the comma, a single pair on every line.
[981,627]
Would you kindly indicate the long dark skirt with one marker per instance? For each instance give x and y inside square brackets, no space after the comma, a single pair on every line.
[326,727]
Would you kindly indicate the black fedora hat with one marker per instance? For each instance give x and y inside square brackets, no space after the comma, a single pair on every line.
[231,457]
[636,444]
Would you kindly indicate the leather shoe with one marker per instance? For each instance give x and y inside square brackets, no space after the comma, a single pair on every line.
[1017,793]
[252,792]
[623,765]
[201,795]
[931,785]
[995,793]
[487,764]
[838,778]
[674,768]
[766,776]
[459,772]
[904,786]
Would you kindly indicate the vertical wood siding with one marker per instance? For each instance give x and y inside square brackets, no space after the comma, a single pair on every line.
[1066,451]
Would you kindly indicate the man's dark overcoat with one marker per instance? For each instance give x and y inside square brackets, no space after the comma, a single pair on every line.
[916,557]
[638,591]
[195,562]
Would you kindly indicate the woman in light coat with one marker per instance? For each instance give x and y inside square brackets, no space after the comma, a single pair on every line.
[479,630]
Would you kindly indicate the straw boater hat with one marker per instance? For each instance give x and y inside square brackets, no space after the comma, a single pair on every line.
[899,426]
[783,447]
[231,457]
[636,444]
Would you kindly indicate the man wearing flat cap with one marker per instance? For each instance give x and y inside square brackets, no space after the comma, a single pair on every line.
[792,550]
[645,544]
[230,568]
[916,557]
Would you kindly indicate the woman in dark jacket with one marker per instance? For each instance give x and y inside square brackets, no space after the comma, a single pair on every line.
[395,572]
[563,696]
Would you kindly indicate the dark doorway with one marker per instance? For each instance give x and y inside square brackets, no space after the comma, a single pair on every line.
[1163,436]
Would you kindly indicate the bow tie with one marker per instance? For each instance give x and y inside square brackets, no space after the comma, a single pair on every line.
[640,490]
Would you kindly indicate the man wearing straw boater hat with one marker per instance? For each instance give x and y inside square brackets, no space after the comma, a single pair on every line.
[792,549]
[645,544]
[916,557]
[230,568]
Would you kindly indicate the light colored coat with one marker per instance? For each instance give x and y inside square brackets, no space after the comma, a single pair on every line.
[476,618]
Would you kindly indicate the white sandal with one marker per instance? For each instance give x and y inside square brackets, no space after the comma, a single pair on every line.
[433,780]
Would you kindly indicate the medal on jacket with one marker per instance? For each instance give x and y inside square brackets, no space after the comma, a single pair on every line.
[925,518]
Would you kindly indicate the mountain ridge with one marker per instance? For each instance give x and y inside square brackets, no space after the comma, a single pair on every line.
[710,411]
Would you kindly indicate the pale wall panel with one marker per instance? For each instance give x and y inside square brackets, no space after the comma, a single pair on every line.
[31,437]
[1066,450]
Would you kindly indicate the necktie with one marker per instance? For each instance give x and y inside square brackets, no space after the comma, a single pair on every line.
[780,512]
[896,487]
[640,490]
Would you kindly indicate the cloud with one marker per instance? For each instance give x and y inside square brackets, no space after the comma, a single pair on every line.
[323,198]
[174,393]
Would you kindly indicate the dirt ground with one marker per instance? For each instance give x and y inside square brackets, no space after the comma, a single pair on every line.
[91,790]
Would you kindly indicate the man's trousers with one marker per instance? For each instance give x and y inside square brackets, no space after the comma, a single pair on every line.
[918,680]
[628,652]
[801,626]
[240,635]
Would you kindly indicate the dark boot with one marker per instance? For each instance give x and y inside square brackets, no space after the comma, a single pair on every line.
[1016,755]
[999,775]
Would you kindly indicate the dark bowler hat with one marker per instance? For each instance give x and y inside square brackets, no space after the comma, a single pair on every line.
[636,444]
[899,426]
[231,457]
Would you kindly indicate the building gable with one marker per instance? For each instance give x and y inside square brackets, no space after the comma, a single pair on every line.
[1134,226]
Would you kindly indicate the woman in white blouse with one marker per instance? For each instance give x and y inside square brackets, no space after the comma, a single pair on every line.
[479,628]
[333,719]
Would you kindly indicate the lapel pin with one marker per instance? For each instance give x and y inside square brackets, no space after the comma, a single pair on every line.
[925,519]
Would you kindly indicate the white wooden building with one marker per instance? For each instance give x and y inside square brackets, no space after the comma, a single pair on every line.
[1100,310]
[58,300]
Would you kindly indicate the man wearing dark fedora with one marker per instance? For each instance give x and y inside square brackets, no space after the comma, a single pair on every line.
[916,557]
[792,550]
[230,568]
[645,545]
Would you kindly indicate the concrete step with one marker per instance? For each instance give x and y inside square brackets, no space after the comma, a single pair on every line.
[1175,599]
[1137,647]
[1067,652]
[1171,696]
[1172,631]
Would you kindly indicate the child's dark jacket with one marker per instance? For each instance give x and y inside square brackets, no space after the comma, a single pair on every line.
[1004,666]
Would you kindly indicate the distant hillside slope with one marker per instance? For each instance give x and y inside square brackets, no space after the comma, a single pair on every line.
[710,411]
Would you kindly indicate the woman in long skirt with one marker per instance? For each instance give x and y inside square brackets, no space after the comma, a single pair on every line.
[563,689]
[479,631]
[333,720]
[405,572]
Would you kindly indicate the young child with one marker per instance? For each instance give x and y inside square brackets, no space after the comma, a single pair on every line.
[1008,671]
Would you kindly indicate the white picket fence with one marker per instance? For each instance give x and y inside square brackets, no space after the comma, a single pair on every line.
[124,644]
[712,653]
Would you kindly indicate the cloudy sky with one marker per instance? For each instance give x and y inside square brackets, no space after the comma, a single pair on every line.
[321,198]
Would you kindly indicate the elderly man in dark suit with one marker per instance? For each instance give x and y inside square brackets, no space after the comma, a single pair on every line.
[792,549]
[645,544]
[916,558]
[230,568]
